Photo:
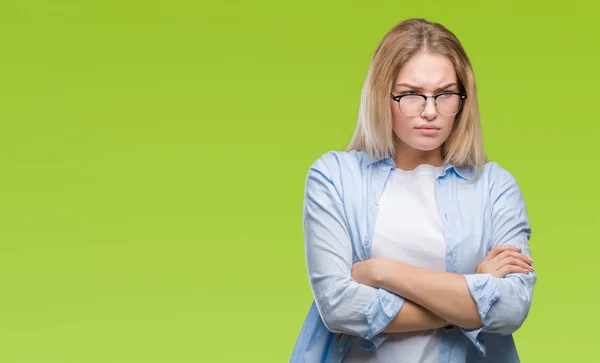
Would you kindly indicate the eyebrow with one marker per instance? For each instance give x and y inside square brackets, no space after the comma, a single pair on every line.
[448,85]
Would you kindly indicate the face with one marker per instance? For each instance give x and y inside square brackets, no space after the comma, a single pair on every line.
[426,130]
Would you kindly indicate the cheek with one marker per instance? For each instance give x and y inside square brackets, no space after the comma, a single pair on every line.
[448,125]
[400,123]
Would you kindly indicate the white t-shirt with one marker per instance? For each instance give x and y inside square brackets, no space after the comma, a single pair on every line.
[408,229]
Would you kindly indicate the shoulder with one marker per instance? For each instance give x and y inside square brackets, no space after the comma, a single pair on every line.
[500,182]
[343,171]
[496,175]
[340,162]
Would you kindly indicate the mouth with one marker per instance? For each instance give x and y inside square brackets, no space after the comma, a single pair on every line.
[428,130]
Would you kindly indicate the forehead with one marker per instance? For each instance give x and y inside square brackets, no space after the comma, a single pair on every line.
[427,70]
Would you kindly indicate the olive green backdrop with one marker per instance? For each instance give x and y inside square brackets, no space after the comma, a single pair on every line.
[153,156]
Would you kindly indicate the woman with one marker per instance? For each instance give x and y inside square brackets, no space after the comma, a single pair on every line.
[416,245]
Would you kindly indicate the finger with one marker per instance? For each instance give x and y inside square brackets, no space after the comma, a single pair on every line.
[499,249]
[512,259]
[508,253]
[515,262]
[513,254]
[511,269]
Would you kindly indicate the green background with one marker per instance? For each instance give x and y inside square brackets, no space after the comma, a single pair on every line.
[153,156]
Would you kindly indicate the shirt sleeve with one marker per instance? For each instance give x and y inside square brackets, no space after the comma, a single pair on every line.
[344,305]
[503,303]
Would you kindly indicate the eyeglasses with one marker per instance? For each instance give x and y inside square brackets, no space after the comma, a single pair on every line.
[413,104]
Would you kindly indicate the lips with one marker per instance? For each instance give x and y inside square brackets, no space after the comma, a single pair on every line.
[428,127]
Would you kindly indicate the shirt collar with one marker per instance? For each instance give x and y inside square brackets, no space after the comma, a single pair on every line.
[464,172]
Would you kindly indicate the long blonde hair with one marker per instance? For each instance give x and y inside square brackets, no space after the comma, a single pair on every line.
[373,133]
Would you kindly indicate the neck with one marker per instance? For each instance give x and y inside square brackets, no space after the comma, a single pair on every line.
[409,158]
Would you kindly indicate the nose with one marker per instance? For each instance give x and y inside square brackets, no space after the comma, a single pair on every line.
[429,111]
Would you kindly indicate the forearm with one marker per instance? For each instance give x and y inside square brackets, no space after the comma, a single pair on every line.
[443,294]
[413,317]
[509,300]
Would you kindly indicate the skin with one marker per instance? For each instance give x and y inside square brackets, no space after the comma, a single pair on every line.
[427,74]
[434,299]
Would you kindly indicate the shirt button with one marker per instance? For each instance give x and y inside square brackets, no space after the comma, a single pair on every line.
[384,169]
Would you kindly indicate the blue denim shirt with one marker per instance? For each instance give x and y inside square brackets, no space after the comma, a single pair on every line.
[340,208]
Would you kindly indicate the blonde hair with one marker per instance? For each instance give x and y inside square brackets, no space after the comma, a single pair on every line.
[373,133]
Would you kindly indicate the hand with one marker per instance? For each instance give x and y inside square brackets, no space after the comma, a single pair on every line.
[369,272]
[503,260]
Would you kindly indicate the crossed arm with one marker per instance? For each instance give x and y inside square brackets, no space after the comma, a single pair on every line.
[407,298]
[413,284]
[435,299]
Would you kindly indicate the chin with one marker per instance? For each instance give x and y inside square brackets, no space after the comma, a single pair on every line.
[426,146]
